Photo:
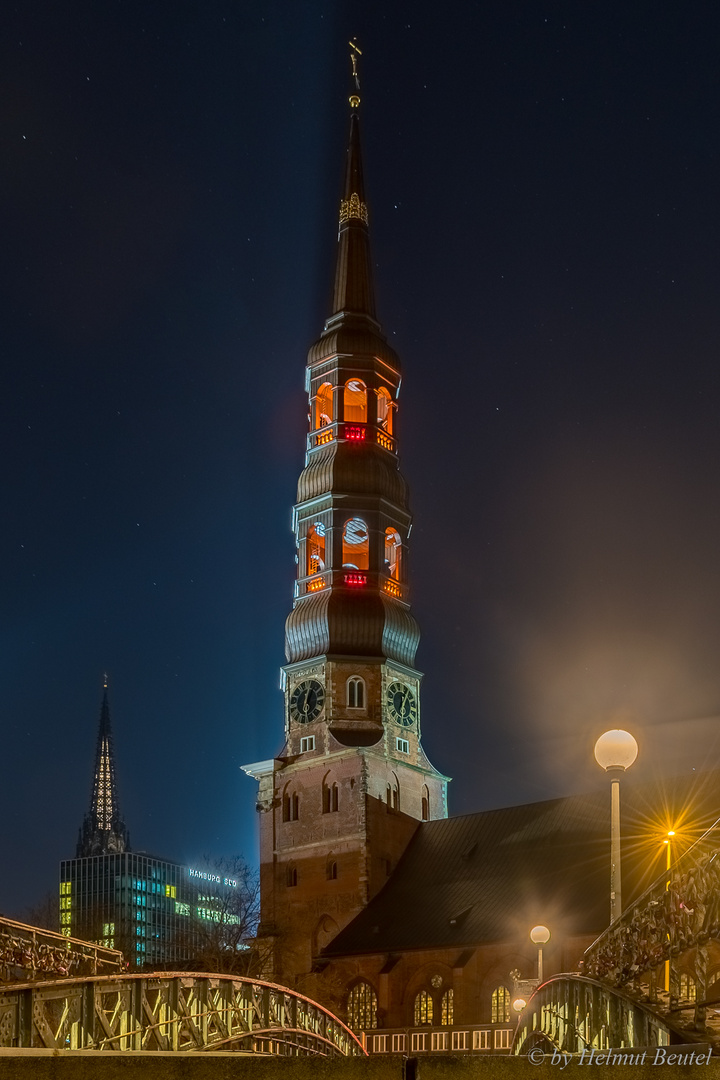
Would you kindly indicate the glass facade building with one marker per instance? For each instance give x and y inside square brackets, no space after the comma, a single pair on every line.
[144,906]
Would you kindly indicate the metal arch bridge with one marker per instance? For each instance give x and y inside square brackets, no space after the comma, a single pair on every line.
[572,1013]
[182,1012]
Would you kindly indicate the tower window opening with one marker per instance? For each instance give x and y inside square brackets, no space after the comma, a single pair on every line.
[385,410]
[355,545]
[355,692]
[393,794]
[324,406]
[332,872]
[355,402]
[291,806]
[423,1009]
[362,1007]
[291,878]
[402,746]
[316,548]
[330,798]
[393,549]
[425,804]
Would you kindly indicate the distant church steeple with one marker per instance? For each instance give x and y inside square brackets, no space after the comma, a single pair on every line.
[103,830]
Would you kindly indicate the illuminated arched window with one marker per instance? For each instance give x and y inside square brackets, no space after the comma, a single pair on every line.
[447,1009]
[324,405]
[500,1006]
[362,1007]
[688,989]
[425,806]
[355,692]
[315,548]
[355,544]
[423,1010]
[355,402]
[385,410]
[393,549]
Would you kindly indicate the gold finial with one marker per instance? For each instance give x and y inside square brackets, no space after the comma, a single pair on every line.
[355,52]
[105,681]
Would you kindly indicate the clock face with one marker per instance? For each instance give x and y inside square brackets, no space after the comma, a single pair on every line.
[401,704]
[307,701]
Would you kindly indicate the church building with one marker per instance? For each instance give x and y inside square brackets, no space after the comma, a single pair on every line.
[412,926]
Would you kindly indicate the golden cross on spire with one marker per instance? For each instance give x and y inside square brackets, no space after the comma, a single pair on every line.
[354,53]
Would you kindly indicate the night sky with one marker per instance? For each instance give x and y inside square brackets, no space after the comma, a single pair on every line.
[543,187]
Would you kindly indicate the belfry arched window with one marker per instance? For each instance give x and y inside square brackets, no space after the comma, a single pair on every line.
[393,793]
[355,692]
[362,1007]
[316,548]
[393,551]
[331,870]
[423,1009]
[291,876]
[324,405]
[385,410]
[355,544]
[425,804]
[355,402]
[500,1006]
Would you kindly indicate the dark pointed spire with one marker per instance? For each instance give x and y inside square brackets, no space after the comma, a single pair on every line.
[103,830]
[353,293]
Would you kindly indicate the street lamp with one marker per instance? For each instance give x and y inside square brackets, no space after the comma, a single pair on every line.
[671,832]
[540,935]
[615,751]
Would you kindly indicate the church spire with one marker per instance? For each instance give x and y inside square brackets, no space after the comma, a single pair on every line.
[103,830]
[353,293]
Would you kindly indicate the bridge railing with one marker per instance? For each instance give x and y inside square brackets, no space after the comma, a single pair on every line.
[572,1013]
[179,1011]
[678,912]
[30,952]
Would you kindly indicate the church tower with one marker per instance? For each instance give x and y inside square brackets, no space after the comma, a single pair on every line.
[103,830]
[352,783]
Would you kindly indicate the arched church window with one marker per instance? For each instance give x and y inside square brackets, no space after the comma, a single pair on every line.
[423,1009]
[355,544]
[425,803]
[324,405]
[393,549]
[355,402]
[316,548]
[291,876]
[362,1007]
[500,1005]
[385,410]
[331,871]
[446,1008]
[355,687]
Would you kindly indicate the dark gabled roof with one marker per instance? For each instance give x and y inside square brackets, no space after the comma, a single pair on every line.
[491,876]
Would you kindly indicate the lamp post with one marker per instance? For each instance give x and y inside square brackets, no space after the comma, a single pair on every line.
[540,935]
[615,751]
[671,832]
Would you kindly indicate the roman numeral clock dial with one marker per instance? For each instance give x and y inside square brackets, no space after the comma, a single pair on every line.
[401,704]
[307,701]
